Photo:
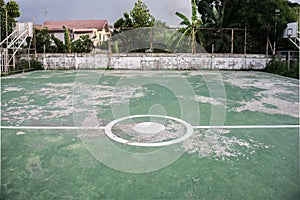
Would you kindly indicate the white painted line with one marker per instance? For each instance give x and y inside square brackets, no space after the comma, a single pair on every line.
[53,127]
[195,127]
[247,127]
[111,135]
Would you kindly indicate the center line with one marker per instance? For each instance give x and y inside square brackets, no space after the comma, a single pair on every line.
[54,127]
[195,127]
[247,127]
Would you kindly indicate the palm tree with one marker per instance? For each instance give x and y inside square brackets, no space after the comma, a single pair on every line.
[191,28]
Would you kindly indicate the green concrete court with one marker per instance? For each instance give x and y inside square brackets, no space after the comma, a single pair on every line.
[239,130]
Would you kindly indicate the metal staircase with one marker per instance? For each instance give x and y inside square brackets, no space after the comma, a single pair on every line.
[12,44]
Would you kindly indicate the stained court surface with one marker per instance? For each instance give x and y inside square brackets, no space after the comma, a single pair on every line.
[149,135]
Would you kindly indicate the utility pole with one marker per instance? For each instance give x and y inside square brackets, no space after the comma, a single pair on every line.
[6,27]
[232,40]
[6,50]
[151,39]
[245,47]
[277,13]
[0,27]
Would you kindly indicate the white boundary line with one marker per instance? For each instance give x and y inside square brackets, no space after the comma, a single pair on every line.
[53,127]
[247,127]
[111,135]
[195,127]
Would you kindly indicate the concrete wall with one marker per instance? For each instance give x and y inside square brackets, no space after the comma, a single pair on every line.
[153,61]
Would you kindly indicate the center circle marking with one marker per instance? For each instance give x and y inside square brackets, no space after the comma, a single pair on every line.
[140,127]
[148,127]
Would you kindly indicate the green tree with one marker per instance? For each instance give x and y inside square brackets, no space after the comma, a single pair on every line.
[42,40]
[57,46]
[83,45]
[123,23]
[54,45]
[220,13]
[139,16]
[67,40]
[191,28]
[45,40]
[261,16]
[161,24]
[12,10]
[216,16]
[258,16]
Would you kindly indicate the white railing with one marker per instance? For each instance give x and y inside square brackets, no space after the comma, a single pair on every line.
[12,44]
[296,40]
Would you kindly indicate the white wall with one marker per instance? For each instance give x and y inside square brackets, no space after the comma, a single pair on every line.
[60,36]
[153,61]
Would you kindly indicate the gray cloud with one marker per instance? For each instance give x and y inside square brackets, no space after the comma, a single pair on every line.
[41,10]
[295,1]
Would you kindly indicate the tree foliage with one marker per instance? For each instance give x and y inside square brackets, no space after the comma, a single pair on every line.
[67,40]
[280,67]
[83,45]
[139,16]
[191,27]
[217,15]
[57,45]
[54,45]
[13,11]
[43,39]
[258,16]
[123,23]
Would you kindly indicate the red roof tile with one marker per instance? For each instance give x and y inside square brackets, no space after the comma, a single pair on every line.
[38,26]
[76,24]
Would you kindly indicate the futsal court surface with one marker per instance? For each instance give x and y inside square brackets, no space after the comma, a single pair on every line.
[149,135]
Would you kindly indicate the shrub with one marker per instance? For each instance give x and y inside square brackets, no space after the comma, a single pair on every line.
[26,64]
[279,67]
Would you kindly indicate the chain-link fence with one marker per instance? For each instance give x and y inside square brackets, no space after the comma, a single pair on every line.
[176,40]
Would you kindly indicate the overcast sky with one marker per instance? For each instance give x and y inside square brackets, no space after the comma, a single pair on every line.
[41,10]
[47,10]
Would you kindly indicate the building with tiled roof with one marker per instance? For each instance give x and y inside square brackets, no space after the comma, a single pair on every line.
[98,30]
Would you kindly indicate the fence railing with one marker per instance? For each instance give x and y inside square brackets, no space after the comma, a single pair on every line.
[12,44]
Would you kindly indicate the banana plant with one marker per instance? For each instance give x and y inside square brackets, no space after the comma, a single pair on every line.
[191,27]
[217,16]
